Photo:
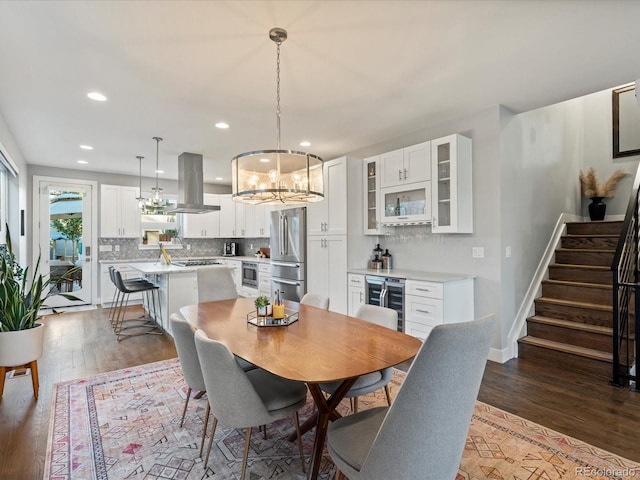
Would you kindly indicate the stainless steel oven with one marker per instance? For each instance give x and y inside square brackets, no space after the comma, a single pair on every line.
[250,274]
[386,292]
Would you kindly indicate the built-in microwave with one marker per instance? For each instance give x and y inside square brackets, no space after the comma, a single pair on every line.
[250,274]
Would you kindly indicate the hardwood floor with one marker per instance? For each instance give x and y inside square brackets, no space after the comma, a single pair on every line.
[82,344]
[77,345]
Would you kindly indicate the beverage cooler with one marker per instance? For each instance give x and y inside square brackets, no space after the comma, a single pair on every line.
[386,292]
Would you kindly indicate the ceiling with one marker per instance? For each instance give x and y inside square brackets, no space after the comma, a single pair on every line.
[353,73]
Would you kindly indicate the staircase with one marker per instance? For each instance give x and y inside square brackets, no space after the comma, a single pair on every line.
[572,325]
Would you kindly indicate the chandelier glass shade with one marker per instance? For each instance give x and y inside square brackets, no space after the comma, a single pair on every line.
[277,176]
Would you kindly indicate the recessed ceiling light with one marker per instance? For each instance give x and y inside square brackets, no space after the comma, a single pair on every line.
[305,143]
[222,125]
[264,160]
[159,171]
[83,162]
[219,178]
[97,96]
[86,147]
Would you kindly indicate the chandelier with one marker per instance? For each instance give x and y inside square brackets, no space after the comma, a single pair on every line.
[277,176]
[155,205]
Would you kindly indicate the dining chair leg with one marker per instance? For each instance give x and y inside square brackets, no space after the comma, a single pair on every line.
[296,417]
[338,475]
[388,394]
[264,430]
[204,428]
[213,431]
[246,452]
[355,404]
[184,410]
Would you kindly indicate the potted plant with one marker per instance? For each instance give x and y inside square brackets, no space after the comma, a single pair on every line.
[21,297]
[596,191]
[262,306]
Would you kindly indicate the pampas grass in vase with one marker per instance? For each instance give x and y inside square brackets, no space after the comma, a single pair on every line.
[592,188]
[596,191]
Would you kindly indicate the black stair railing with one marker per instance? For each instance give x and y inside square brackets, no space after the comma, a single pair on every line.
[626,301]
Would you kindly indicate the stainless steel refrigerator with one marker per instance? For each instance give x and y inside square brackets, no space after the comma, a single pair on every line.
[289,252]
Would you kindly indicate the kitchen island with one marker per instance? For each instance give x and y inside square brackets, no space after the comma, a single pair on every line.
[178,286]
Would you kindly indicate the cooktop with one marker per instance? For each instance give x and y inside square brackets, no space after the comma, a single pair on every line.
[194,263]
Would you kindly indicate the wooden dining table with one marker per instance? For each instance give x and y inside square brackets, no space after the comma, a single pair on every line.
[320,347]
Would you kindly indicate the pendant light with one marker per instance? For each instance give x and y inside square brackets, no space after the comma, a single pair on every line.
[140,198]
[156,204]
[277,176]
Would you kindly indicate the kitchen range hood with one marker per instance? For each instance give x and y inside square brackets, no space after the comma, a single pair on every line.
[191,186]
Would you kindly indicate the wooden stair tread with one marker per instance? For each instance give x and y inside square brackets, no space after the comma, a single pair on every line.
[572,349]
[595,235]
[586,327]
[586,250]
[571,303]
[578,284]
[577,265]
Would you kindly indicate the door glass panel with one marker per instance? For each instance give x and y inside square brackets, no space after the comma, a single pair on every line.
[65,239]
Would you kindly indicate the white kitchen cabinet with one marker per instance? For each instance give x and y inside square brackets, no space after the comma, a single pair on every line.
[329,216]
[202,225]
[108,289]
[452,199]
[257,221]
[371,200]
[264,279]
[327,269]
[227,216]
[356,293]
[405,165]
[119,212]
[428,304]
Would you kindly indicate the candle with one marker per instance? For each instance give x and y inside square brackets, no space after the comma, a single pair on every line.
[278,311]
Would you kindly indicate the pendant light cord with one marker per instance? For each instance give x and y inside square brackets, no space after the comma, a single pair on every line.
[278,43]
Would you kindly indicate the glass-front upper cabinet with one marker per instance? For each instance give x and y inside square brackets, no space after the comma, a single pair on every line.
[371,184]
[406,204]
[452,185]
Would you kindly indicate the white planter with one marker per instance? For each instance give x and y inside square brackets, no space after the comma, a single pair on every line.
[21,347]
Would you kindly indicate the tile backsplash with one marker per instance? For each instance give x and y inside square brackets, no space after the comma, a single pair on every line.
[127,248]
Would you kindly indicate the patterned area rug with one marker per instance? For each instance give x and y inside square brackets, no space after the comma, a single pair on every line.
[126,425]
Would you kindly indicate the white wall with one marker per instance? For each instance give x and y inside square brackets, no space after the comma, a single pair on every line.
[17,191]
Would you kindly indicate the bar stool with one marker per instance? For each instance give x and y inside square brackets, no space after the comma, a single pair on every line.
[149,324]
[129,282]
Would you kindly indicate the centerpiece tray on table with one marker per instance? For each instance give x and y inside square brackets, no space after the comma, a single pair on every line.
[290,316]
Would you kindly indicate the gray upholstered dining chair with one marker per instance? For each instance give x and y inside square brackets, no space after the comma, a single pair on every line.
[241,399]
[215,283]
[183,336]
[423,434]
[315,300]
[385,317]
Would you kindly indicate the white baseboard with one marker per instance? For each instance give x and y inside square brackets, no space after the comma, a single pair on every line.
[501,356]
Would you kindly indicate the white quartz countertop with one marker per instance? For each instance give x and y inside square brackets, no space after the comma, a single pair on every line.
[157,268]
[176,259]
[413,274]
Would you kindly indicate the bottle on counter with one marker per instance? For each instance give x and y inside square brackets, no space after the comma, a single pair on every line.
[376,263]
[387,260]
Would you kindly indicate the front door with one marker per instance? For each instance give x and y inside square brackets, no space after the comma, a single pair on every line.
[62,225]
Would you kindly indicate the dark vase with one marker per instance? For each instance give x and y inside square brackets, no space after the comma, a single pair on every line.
[597,208]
